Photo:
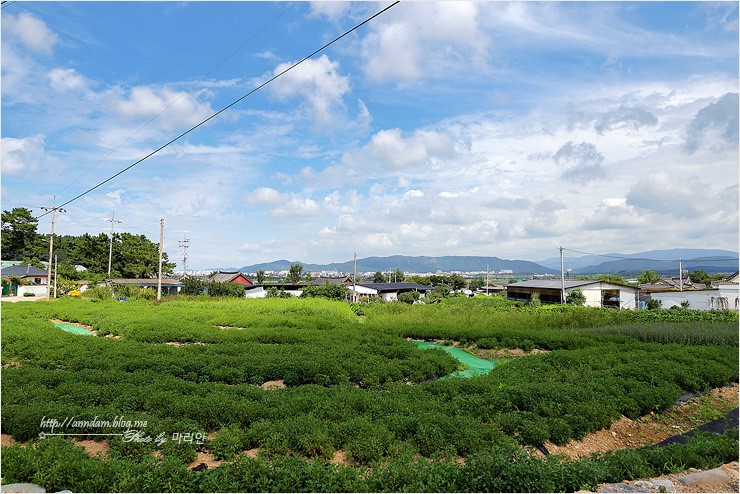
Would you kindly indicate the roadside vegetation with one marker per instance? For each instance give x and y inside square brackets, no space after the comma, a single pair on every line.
[353,385]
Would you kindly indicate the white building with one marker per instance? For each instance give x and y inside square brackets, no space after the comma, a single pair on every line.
[727,297]
[597,293]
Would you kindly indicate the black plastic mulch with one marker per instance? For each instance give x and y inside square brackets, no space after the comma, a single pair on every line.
[719,426]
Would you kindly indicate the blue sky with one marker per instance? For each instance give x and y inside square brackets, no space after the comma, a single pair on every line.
[482,128]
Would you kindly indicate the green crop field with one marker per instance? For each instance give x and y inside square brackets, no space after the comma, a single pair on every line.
[186,376]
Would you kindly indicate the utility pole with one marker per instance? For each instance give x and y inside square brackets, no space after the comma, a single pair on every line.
[486,279]
[51,248]
[184,246]
[562,277]
[113,220]
[161,242]
[55,275]
[354,280]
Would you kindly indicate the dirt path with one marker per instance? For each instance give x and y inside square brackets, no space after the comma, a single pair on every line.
[654,428]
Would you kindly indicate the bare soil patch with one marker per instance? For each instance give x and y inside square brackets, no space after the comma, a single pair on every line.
[505,352]
[341,457]
[178,344]
[8,440]
[93,448]
[207,458]
[653,428]
[252,453]
[279,384]
[12,363]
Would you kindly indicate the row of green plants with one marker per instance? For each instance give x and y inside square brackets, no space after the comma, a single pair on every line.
[56,464]
[355,384]
[589,381]
[548,327]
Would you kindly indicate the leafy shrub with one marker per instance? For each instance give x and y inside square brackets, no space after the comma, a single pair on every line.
[99,292]
[575,297]
[357,308]
[229,441]
[408,297]
[275,292]
[328,290]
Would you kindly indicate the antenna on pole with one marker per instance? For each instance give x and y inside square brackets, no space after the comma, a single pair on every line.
[184,246]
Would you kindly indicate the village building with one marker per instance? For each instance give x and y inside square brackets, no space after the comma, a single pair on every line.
[33,280]
[387,291]
[598,293]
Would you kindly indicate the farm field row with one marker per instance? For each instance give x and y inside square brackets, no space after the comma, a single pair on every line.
[354,384]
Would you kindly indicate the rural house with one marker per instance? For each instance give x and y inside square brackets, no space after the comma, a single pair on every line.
[35,279]
[670,284]
[230,277]
[333,280]
[724,296]
[387,291]
[598,293]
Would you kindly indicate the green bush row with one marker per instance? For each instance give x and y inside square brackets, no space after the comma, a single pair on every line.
[56,464]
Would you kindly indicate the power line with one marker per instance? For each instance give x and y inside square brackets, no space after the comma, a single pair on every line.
[178,98]
[229,105]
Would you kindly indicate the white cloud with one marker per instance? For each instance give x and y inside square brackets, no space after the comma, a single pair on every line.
[30,31]
[614,213]
[22,155]
[265,196]
[317,81]
[671,195]
[177,108]
[115,196]
[581,162]
[625,117]
[411,194]
[67,80]
[297,208]
[423,39]
[389,149]
[330,10]
[716,125]
[593,27]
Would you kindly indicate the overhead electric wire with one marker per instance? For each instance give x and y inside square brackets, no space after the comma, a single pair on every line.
[229,105]
[177,99]
[643,258]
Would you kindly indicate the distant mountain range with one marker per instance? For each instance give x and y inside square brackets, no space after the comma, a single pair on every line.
[413,264]
[661,261]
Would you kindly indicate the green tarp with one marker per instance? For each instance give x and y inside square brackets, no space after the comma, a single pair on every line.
[71,328]
[476,366]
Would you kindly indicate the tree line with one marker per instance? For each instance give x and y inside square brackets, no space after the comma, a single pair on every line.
[133,256]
